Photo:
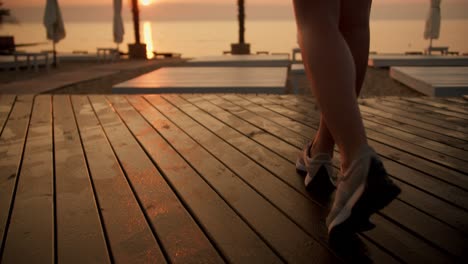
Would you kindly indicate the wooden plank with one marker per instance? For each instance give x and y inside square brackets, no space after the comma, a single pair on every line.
[424,116]
[380,117]
[241,191]
[459,117]
[409,247]
[12,142]
[424,147]
[224,133]
[208,80]
[395,131]
[443,173]
[211,212]
[77,215]
[300,117]
[401,117]
[429,115]
[300,204]
[434,206]
[440,235]
[448,213]
[436,103]
[263,137]
[30,235]
[276,165]
[180,236]
[417,150]
[435,230]
[6,106]
[376,116]
[461,102]
[450,193]
[130,238]
[285,132]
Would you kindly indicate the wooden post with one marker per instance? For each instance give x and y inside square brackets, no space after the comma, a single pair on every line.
[241,19]
[241,47]
[136,20]
[138,49]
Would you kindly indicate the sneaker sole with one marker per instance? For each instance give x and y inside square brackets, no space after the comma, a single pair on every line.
[300,167]
[381,193]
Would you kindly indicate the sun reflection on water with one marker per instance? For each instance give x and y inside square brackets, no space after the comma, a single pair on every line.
[147,35]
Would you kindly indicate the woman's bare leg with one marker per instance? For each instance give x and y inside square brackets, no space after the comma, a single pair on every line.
[331,69]
[354,26]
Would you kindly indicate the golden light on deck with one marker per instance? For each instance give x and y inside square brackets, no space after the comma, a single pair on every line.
[148,36]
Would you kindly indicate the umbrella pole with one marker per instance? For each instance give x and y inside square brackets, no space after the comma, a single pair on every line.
[55,55]
[430,46]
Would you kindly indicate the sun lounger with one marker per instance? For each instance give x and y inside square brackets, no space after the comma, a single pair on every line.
[433,81]
[443,50]
[33,59]
[242,61]
[295,51]
[7,62]
[107,54]
[166,55]
[388,60]
[28,60]
[208,80]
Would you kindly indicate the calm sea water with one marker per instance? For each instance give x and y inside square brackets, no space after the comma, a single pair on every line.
[199,38]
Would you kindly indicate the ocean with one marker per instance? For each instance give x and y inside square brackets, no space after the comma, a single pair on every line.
[201,38]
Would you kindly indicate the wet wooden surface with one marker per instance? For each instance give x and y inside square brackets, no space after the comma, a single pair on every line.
[211,178]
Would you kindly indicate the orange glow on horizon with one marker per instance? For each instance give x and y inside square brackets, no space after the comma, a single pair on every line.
[148,37]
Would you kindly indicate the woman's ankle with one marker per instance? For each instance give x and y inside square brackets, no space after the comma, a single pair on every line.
[352,156]
[322,146]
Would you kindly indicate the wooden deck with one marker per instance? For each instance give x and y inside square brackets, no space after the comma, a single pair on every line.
[211,178]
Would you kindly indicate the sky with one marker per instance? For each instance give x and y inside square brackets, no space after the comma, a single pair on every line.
[16,3]
[100,10]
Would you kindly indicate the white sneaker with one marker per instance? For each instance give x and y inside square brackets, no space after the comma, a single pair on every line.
[318,166]
[363,190]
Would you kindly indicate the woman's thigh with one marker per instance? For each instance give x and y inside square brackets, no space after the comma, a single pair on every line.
[354,14]
[317,13]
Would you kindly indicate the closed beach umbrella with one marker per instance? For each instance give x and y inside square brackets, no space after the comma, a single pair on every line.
[53,23]
[432,28]
[118,23]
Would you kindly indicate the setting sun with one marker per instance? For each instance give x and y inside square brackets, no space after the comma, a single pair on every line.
[146,2]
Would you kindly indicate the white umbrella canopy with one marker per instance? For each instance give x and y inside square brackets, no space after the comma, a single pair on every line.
[53,23]
[118,27]
[432,29]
